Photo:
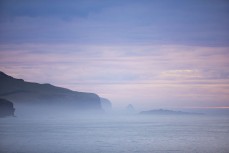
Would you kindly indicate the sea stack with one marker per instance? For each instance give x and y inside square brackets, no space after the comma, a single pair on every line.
[130,109]
[6,108]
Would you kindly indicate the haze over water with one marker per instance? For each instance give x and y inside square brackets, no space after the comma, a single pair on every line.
[170,54]
[115,134]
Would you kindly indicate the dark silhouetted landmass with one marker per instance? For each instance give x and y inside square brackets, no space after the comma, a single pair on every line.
[6,108]
[34,94]
[106,104]
[166,112]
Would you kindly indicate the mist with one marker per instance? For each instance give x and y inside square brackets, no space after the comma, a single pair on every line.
[114,76]
[95,133]
[46,118]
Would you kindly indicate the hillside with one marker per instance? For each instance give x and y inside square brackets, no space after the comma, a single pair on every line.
[25,93]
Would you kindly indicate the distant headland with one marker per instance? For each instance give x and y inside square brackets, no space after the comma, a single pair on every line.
[33,95]
[167,112]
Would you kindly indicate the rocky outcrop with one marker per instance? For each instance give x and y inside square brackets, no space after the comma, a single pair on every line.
[130,109]
[6,108]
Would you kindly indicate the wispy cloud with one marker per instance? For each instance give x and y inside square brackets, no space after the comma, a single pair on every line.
[171,53]
[115,22]
[155,73]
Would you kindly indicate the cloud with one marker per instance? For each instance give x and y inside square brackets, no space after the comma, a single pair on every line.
[115,22]
[41,8]
[181,74]
[154,75]
[168,51]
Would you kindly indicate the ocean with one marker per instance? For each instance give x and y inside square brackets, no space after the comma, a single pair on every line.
[116,134]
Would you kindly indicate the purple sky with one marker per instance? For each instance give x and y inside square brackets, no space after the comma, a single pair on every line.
[152,54]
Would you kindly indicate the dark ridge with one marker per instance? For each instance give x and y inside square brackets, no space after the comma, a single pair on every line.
[35,94]
[4,75]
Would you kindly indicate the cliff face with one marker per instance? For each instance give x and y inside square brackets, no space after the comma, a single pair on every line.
[6,108]
[106,104]
[31,94]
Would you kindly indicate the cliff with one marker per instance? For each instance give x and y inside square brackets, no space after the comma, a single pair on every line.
[106,104]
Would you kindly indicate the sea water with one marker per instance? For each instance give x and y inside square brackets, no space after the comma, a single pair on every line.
[119,134]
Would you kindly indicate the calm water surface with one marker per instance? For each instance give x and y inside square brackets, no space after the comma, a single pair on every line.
[135,134]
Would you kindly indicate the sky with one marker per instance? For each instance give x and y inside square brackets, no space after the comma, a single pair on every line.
[148,53]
